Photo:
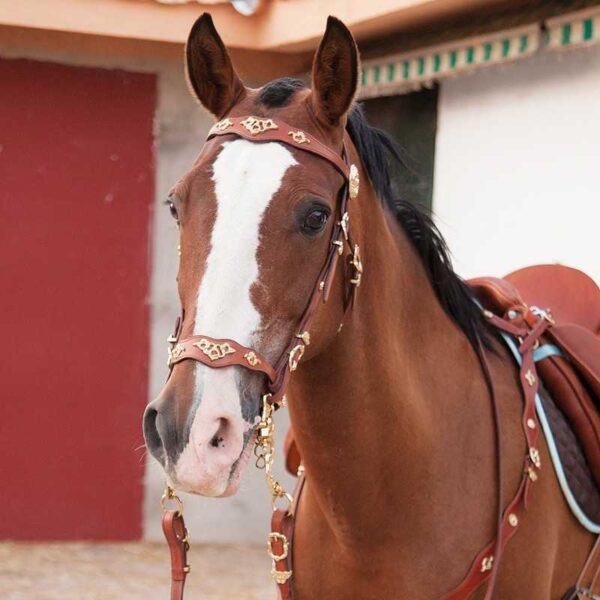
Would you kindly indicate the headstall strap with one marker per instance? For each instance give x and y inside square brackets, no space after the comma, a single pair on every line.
[219,353]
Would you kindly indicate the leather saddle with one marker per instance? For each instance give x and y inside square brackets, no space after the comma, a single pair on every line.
[572,380]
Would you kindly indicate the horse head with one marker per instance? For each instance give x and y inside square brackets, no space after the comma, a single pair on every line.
[257,217]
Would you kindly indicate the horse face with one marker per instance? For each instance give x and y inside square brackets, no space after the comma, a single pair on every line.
[255,222]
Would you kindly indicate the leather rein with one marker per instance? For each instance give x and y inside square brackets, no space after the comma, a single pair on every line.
[221,353]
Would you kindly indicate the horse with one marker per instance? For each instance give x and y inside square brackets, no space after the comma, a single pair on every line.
[389,403]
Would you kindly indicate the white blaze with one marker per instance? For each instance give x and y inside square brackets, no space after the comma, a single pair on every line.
[246,176]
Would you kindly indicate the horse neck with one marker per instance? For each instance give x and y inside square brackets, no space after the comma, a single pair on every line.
[378,414]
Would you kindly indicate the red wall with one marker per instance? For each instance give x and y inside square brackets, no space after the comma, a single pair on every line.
[76,190]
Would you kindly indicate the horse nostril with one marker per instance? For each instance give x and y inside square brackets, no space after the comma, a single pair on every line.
[218,439]
[151,435]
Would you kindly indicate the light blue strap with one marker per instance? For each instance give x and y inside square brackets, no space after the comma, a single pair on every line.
[560,474]
[545,351]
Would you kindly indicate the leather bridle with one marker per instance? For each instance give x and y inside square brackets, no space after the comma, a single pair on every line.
[220,353]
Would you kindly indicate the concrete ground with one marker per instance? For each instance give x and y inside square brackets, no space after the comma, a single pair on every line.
[129,571]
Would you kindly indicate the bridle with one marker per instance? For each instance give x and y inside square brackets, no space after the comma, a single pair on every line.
[219,353]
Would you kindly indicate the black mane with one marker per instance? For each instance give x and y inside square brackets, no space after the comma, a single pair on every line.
[377,150]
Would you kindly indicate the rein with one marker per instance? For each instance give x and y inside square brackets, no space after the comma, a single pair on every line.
[221,353]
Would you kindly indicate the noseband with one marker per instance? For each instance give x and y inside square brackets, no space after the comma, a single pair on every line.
[220,353]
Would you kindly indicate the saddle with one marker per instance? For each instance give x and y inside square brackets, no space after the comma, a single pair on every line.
[571,379]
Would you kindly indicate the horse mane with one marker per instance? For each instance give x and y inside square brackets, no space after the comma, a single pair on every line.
[378,152]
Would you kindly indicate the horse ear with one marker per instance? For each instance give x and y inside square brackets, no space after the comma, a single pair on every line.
[334,73]
[209,68]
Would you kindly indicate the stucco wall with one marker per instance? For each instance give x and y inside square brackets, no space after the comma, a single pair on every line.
[517,168]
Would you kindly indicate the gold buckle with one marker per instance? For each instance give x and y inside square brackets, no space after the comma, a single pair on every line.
[274,536]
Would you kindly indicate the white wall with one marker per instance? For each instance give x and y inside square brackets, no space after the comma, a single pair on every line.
[517,166]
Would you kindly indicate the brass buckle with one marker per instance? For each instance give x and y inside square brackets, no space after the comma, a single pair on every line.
[274,536]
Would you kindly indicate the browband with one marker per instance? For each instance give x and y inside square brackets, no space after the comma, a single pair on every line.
[256,129]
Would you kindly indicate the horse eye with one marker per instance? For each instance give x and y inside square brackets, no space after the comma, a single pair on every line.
[173,210]
[315,221]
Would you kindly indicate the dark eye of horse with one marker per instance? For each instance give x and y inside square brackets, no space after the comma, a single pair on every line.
[315,221]
[173,210]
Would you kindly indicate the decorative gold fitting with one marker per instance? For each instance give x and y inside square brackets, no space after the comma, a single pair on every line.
[299,137]
[187,569]
[178,249]
[534,455]
[172,339]
[255,126]
[300,470]
[344,224]
[488,314]
[280,577]
[305,337]
[356,262]
[174,353]
[530,377]
[532,474]
[487,563]
[321,286]
[220,126]
[340,246]
[213,350]
[169,494]
[353,182]
[513,520]
[273,537]
[252,359]
[531,423]
[296,354]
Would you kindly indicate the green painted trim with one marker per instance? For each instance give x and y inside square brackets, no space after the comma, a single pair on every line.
[421,65]
[376,73]
[391,71]
[405,69]
[470,55]
[565,34]
[523,44]
[453,59]
[487,51]
[505,48]
[437,63]
[588,29]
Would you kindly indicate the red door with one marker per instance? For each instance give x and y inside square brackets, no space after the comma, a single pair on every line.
[76,190]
